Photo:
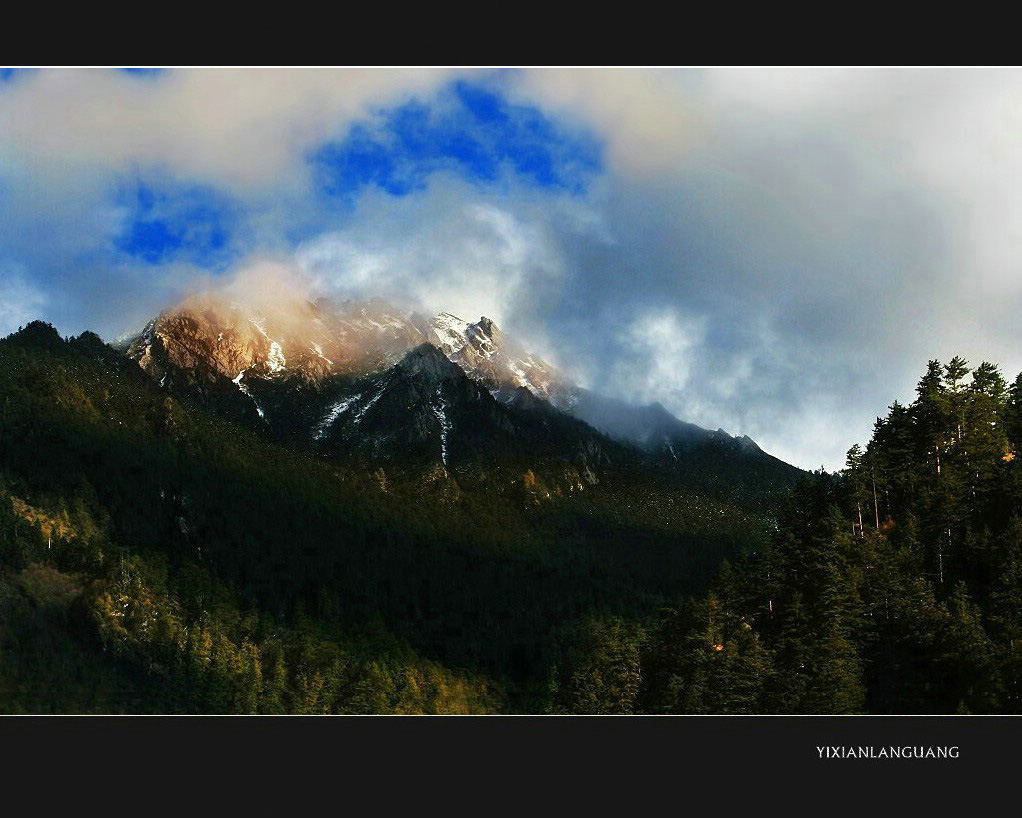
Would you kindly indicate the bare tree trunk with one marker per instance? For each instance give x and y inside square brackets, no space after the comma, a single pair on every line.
[940,557]
[876,505]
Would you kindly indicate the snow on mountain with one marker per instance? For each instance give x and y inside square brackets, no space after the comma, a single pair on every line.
[275,360]
[452,332]
[334,412]
[487,355]
[437,407]
[244,388]
[206,339]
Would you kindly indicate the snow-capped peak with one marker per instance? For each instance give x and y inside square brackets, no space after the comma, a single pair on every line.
[486,355]
[452,332]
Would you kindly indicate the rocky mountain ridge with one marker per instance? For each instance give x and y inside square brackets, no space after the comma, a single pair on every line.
[206,342]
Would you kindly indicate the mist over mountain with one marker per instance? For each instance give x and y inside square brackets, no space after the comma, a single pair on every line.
[316,369]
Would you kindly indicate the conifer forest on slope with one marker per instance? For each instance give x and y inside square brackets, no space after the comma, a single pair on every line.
[156,556]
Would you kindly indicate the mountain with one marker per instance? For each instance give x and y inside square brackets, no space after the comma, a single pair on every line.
[163,548]
[446,545]
[206,337]
[488,355]
[336,506]
[364,379]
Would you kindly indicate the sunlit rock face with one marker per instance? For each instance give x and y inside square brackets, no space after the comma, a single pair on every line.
[209,337]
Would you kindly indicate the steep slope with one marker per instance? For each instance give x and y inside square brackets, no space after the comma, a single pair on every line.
[427,412]
[423,409]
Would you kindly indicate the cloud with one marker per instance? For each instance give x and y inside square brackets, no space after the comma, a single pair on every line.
[648,117]
[833,228]
[20,302]
[144,185]
[774,251]
[452,248]
[233,127]
[657,361]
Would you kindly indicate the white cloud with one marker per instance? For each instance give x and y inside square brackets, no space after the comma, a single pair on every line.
[451,248]
[659,352]
[648,117]
[236,127]
[838,227]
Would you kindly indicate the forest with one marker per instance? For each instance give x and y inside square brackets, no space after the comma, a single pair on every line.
[157,557]
[892,587]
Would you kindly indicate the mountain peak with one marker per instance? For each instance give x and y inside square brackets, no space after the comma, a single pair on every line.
[217,338]
[488,356]
[38,334]
[746,443]
[428,361]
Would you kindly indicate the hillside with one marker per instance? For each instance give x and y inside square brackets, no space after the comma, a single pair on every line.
[205,563]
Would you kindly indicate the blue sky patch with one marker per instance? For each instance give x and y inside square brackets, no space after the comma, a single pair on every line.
[183,223]
[466,129]
[145,71]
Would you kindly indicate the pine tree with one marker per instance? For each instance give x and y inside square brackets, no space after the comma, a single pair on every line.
[973,673]
[788,691]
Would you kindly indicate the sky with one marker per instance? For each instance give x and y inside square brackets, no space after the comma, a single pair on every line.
[774,251]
